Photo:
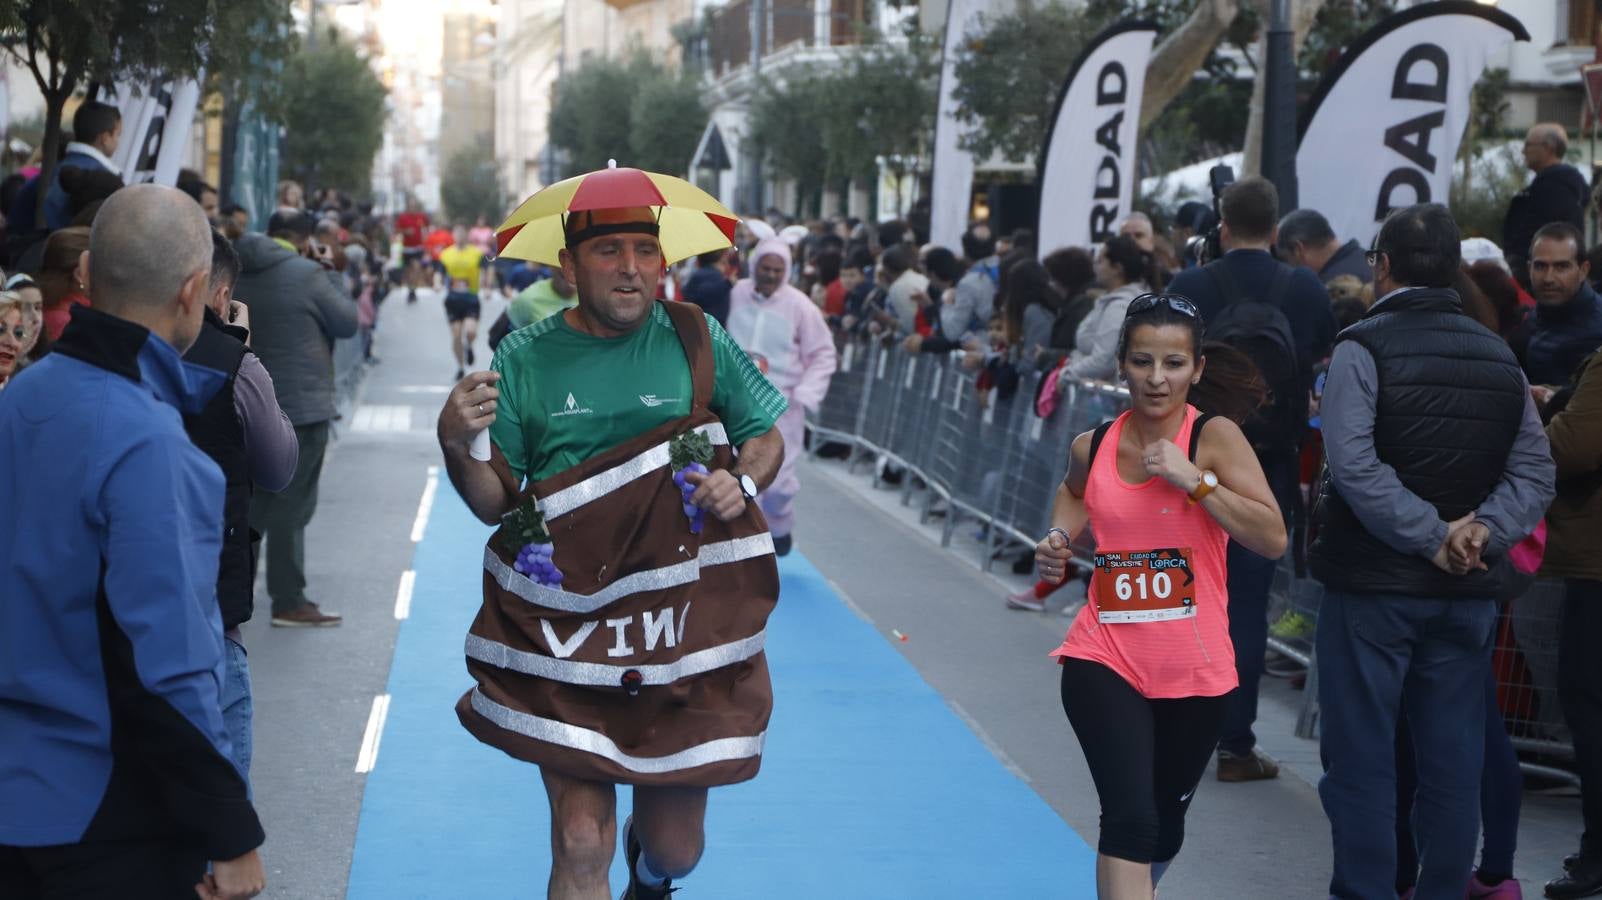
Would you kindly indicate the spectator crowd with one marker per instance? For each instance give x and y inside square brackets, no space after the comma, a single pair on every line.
[172,370]
[1520,320]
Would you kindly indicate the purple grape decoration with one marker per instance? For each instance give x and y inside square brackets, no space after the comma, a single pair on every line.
[690,452]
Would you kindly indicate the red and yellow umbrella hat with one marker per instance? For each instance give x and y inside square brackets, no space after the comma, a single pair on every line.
[691,221]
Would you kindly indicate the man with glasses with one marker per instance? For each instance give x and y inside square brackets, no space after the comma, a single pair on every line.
[1557,193]
[1436,464]
[1566,325]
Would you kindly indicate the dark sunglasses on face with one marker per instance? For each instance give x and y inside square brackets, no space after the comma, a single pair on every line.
[1176,302]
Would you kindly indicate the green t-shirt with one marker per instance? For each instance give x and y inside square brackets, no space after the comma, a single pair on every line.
[538,302]
[567,396]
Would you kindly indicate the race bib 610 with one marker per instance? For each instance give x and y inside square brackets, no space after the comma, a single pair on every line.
[1144,585]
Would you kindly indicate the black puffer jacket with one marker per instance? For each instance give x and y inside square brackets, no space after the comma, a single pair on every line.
[1449,405]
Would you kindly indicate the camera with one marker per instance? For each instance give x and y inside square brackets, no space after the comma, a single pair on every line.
[1209,246]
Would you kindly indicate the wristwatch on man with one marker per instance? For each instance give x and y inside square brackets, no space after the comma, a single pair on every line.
[748,487]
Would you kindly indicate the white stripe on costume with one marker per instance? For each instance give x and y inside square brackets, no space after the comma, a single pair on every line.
[718,554]
[597,486]
[583,739]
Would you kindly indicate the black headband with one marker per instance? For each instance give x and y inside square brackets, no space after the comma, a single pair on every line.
[595,230]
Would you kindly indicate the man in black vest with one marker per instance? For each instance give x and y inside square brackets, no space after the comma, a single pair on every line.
[1437,464]
[1248,272]
[243,430]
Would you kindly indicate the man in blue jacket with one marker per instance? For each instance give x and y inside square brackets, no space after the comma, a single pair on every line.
[1566,325]
[96,131]
[115,770]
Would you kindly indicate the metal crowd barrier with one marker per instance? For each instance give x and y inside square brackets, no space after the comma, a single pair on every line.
[997,463]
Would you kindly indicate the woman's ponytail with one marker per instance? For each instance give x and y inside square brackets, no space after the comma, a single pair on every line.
[1231,385]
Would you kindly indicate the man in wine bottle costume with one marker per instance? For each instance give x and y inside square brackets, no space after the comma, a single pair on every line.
[644,665]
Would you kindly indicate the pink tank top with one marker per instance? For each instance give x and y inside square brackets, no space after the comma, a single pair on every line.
[1188,657]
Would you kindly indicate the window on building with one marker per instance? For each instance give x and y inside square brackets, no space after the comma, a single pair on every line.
[1581,18]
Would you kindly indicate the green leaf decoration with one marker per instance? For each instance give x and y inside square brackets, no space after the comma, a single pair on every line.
[524,525]
[690,447]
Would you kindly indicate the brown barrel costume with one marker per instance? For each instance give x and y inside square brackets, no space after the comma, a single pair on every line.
[646,667]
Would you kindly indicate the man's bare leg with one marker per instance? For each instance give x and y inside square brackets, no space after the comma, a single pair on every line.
[670,823]
[583,837]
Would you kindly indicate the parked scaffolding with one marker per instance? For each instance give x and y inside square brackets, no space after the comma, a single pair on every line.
[991,459]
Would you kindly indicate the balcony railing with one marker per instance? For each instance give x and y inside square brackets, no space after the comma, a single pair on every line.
[788,23]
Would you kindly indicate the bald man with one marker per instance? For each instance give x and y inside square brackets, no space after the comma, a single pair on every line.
[1557,193]
[110,719]
[1138,227]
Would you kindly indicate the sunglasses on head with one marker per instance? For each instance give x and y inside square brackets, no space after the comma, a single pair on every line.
[1176,302]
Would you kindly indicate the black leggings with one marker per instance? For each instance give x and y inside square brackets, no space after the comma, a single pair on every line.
[1146,756]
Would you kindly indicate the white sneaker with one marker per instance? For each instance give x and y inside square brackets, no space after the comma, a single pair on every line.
[1026,599]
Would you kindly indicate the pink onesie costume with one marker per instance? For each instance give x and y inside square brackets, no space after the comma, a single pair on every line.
[786,336]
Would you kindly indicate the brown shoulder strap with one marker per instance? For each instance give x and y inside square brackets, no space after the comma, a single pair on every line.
[690,322]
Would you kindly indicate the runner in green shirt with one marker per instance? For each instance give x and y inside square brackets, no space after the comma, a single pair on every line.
[562,400]
[563,391]
[541,300]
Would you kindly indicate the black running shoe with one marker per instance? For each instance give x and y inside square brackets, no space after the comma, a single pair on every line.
[781,545]
[469,354]
[631,854]
[459,374]
[411,295]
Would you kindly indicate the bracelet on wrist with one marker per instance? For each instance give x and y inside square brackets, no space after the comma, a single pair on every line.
[1055,530]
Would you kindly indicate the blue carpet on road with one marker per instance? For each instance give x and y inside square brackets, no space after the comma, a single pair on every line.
[871,786]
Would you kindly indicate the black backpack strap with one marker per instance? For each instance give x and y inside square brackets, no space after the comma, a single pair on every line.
[1096,438]
[1195,432]
[1278,285]
[1224,281]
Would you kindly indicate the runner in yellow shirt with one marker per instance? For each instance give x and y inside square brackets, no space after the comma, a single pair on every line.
[462,259]
[461,262]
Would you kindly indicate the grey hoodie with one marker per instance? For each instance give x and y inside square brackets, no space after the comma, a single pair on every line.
[297,310]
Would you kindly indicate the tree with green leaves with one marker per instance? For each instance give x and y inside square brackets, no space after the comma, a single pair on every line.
[831,127]
[333,116]
[665,124]
[785,128]
[609,109]
[885,99]
[470,187]
[1009,73]
[67,45]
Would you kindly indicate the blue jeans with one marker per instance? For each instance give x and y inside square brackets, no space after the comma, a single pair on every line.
[1251,577]
[1501,795]
[236,707]
[1372,650]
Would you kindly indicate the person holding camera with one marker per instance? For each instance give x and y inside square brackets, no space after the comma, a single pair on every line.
[1280,317]
[298,307]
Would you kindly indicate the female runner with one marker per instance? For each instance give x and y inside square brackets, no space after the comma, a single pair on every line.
[1147,662]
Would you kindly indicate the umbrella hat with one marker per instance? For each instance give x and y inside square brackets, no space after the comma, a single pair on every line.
[691,222]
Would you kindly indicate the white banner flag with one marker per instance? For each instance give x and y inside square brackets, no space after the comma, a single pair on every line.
[1383,128]
[156,120]
[952,181]
[1087,169]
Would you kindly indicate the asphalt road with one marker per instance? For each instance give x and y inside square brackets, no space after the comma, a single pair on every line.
[315,688]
